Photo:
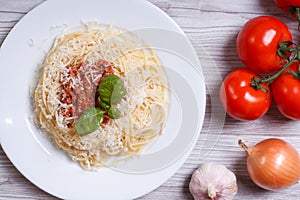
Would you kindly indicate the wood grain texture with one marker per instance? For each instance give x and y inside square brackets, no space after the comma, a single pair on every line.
[212,26]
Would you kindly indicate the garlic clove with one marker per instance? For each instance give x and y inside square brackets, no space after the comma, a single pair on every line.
[213,181]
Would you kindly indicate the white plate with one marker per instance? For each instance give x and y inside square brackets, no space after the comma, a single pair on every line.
[50,168]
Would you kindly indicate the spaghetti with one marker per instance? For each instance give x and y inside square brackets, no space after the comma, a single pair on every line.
[73,69]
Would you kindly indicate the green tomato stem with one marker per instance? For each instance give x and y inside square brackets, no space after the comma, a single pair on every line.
[282,51]
[256,84]
[284,48]
[298,15]
[274,76]
[296,75]
[295,10]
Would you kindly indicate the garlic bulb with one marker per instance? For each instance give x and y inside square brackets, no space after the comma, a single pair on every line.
[213,181]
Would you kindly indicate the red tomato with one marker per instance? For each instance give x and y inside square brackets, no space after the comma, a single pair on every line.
[240,100]
[286,93]
[258,41]
[287,3]
[282,4]
[293,2]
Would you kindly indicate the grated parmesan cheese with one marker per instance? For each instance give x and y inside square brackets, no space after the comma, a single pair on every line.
[143,109]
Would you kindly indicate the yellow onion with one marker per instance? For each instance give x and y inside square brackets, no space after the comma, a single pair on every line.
[272,164]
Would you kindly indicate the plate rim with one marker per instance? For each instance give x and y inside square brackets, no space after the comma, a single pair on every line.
[19,167]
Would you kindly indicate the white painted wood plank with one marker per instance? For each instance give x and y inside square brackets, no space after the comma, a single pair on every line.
[212,25]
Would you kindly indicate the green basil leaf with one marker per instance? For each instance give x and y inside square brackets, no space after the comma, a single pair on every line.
[111,89]
[113,113]
[89,121]
[118,92]
[103,104]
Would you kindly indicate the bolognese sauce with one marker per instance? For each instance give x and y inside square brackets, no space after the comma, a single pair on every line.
[80,84]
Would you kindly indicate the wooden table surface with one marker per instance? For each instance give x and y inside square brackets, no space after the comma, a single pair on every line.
[212,26]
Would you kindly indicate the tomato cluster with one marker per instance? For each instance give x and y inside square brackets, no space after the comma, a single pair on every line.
[265,47]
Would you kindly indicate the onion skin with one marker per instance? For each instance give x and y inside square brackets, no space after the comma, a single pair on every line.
[273,164]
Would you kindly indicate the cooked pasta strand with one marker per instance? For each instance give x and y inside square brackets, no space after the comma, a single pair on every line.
[143,110]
